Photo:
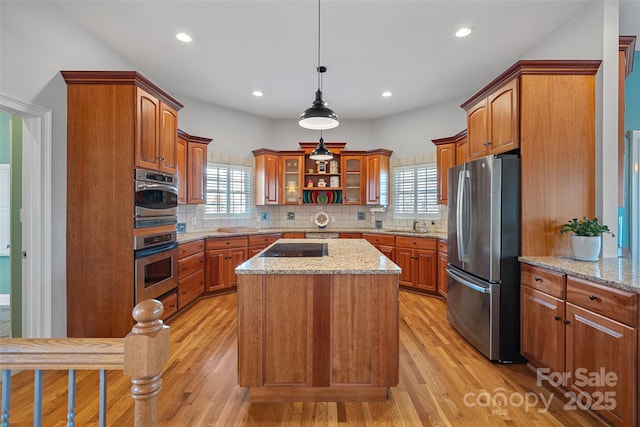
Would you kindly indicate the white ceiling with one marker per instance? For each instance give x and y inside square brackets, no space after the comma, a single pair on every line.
[406,47]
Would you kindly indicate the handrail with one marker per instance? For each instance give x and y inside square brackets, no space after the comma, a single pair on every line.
[141,355]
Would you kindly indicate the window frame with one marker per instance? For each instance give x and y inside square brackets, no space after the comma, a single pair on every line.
[431,190]
[247,181]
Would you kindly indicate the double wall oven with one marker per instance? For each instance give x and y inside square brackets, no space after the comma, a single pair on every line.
[155,252]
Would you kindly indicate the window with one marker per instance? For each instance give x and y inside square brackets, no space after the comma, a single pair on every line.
[228,191]
[415,190]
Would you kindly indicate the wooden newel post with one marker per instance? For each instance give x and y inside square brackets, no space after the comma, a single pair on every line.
[146,351]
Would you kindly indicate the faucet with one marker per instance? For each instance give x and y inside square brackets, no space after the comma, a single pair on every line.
[415,225]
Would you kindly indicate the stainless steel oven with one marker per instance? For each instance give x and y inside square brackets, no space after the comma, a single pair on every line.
[156,199]
[156,265]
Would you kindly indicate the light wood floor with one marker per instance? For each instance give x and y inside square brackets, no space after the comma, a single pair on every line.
[441,377]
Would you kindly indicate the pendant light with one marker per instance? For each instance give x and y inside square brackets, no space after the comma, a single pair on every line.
[321,152]
[319,116]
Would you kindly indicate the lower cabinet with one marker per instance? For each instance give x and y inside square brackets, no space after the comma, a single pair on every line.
[443,280]
[417,256]
[385,243]
[223,255]
[587,332]
[190,272]
[170,303]
[259,242]
[351,235]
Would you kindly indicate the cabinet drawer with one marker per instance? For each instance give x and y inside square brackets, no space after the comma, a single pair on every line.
[170,303]
[442,246]
[190,265]
[610,302]
[351,235]
[263,239]
[190,288]
[188,249]
[416,242]
[293,235]
[226,242]
[543,280]
[380,239]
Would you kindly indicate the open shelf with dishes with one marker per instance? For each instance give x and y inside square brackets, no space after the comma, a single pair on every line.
[322,196]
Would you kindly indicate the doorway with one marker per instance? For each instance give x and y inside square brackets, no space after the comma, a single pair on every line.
[30,219]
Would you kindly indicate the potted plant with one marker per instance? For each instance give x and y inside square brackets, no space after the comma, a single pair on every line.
[587,237]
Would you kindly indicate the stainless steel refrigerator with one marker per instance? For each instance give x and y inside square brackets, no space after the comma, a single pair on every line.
[483,294]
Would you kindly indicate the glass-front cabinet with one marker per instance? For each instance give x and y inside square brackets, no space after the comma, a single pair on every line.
[292,178]
[353,179]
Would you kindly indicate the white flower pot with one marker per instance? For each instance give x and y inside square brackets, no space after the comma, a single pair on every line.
[586,248]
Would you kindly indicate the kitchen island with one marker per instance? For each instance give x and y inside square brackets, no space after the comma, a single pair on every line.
[319,328]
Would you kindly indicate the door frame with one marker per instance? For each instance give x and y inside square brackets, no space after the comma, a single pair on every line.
[36,216]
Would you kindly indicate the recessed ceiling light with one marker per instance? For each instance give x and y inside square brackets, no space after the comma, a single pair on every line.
[386,94]
[464,32]
[183,37]
[257,93]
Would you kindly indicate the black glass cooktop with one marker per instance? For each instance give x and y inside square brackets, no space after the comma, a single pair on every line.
[296,250]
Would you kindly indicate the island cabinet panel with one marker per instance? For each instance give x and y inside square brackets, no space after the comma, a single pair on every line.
[318,337]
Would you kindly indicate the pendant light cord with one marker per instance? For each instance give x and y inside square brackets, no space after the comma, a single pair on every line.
[318,68]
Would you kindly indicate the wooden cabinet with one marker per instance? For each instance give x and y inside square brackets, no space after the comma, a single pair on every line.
[106,121]
[259,242]
[266,177]
[462,150]
[417,256]
[192,168]
[351,235]
[377,172]
[592,336]
[170,304]
[352,178]
[292,165]
[156,133]
[547,109]
[292,235]
[446,157]
[191,272]
[223,255]
[493,122]
[385,243]
[443,279]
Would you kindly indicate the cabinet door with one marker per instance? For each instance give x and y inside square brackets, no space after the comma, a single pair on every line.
[443,280]
[266,178]
[446,157]
[425,270]
[542,329]
[352,178]
[388,251]
[190,288]
[404,259]
[147,130]
[181,169]
[236,257]
[292,179]
[462,151]
[477,132]
[215,269]
[377,179]
[167,140]
[197,176]
[600,348]
[503,119]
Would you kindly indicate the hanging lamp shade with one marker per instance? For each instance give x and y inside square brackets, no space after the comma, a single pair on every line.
[319,116]
[321,152]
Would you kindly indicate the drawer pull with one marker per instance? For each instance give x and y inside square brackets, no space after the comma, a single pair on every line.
[557,317]
[566,322]
[538,279]
[593,297]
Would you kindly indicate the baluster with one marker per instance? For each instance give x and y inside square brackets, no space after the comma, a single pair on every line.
[71,399]
[6,396]
[103,398]
[146,351]
[37,398]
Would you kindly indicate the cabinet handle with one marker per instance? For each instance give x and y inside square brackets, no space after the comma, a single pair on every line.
[537,279]
[486,144]
[566,322]
[557,317]
[593,297]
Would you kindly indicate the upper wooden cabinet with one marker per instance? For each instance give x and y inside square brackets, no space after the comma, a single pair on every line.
[156,133]
[493,122]
[447,156]
[378,170]
[292,168]
[551,107]
[106,117]
[267,176]
[192,168]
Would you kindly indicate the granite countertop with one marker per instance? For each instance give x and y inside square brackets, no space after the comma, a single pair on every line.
[345,256]
[621,273]
[188,237]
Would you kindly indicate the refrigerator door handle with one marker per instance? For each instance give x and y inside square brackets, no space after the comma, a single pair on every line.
[463,215]
[459,203]
[467,283]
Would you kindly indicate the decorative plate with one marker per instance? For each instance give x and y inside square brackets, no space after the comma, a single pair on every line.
[321,219]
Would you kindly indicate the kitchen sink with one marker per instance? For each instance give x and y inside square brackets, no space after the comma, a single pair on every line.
[296,250]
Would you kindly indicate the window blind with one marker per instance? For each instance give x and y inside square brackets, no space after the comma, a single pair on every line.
[415,190]
[228,190]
